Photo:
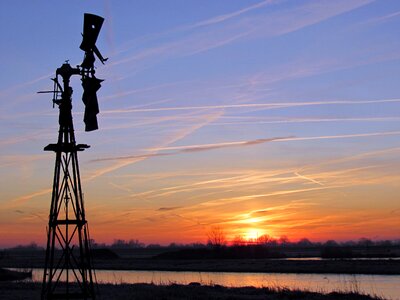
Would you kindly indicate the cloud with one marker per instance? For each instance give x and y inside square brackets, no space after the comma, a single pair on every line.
[26,83]
[204,147]
[273,105]
[342,136]
[130,157]
[384,18]
[225,17]
[175,150]
[226,28]
[190,148]
[207,147]
[169,208]
[128,160]
[308,178]
[256,121]
[25,198]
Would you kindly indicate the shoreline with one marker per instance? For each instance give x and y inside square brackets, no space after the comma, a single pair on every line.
[359,267]
[29,290]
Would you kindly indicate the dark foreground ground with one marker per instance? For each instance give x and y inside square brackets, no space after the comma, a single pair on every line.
[19,290]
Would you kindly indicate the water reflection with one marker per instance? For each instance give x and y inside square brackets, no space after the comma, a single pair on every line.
[381,285]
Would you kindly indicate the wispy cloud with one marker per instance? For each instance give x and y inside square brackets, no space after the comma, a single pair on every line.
[308,178]
[259,121]
[169,208]
[175,150]
[190,148]
[22,199]
[385,18]
[221,30]
[193,148]
[342,136]
[228,16]
[131,157]
[206,147]
[126,161]
[272,105]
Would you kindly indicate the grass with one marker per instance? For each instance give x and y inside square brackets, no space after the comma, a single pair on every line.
[29,290]
[7,275]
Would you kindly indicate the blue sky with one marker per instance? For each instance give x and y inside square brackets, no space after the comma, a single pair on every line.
[276,117]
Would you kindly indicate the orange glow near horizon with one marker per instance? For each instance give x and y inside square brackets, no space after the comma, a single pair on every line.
[253,234]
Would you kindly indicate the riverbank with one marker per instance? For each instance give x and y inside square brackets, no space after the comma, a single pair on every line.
[367,267]
[128,260]
[29,290]
[9,275]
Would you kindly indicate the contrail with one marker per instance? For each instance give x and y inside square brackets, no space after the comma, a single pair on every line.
[204,147]
[193,148]
[343,136]
[222,18]
[308,178]
[207,147]
[253,105]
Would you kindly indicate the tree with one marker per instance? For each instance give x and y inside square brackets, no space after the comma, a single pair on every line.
[365,242]
[216,237]
[284,240]
[304,242]
[265,239]
[331,243]
[135,244]
[238,240]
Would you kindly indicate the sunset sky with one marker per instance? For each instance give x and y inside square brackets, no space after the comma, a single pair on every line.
[259,117]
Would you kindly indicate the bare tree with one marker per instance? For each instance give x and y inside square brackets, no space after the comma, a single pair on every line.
[216,237]
[283,240]
[238,240]
[265,239]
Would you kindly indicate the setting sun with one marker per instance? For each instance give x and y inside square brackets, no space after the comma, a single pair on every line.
[253,234]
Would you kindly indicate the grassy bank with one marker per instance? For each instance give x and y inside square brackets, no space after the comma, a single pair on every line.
[7,275]
[19,290]
[374,267]
[382,267]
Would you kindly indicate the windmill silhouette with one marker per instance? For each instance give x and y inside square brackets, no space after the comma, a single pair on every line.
[68,272]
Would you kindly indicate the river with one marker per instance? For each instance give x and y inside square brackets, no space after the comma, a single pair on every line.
[386,286]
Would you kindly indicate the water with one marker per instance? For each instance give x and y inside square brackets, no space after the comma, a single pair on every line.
[329,259]
[386,286]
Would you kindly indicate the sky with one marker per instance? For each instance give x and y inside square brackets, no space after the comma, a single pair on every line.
[275,117]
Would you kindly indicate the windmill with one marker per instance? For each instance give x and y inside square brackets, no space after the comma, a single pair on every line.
[68,272]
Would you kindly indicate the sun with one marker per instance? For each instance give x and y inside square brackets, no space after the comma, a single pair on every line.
[253,234]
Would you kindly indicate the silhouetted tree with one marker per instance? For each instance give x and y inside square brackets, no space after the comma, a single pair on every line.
[238,240]
[331,243]
[216,237]
[283,240]
[365,242]
[265,239]
[304,243]
[127,244]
